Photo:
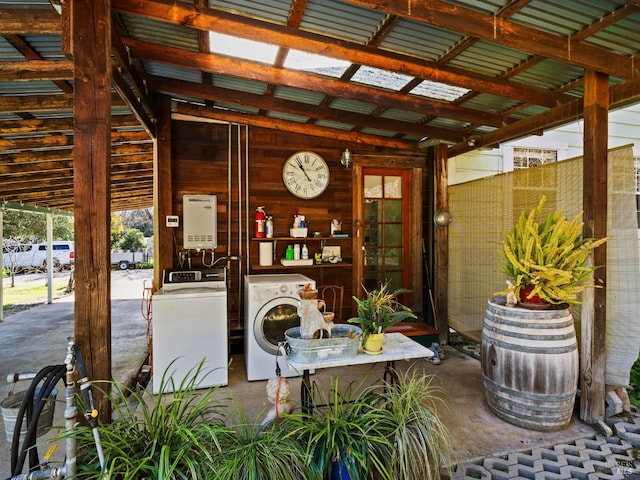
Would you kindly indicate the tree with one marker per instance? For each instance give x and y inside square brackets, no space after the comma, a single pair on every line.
[141,219]
[131,240]
[28,226]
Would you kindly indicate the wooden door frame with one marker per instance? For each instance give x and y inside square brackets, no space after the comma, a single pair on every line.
[413,258]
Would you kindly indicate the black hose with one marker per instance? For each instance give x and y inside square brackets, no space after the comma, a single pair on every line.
[32,405]
[25,407]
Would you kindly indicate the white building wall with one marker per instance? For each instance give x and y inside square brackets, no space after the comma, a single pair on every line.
[624,129]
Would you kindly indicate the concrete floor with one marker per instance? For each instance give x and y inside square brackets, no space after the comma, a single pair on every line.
[37,337]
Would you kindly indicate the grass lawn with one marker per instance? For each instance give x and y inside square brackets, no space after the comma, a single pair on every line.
[23,296]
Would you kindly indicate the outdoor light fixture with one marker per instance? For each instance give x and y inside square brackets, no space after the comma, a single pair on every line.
[345,158]
[442,218]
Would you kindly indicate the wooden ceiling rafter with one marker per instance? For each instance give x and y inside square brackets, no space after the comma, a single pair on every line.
[306,81]
[320,112]
[195,111]
[492,28]
[222,22]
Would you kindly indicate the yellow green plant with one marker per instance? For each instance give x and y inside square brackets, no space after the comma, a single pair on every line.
[549,256]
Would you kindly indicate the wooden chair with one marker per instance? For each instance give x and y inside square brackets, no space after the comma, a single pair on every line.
[333,296]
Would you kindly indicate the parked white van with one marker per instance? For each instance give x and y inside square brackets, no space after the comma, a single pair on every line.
[30,255]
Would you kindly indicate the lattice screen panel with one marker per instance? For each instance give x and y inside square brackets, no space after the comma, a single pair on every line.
[483,210]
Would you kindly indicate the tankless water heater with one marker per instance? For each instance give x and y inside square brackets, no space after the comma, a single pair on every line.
[199,221]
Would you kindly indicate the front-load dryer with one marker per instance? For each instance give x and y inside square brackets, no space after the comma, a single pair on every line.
[271,307]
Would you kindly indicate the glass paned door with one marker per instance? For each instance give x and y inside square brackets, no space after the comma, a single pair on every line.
[384,227]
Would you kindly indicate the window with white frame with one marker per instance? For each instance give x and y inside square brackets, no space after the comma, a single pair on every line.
[531,157]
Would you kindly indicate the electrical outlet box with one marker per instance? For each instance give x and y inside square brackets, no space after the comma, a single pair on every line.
[172,221]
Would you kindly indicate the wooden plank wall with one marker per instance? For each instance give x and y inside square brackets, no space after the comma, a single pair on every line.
[200,166]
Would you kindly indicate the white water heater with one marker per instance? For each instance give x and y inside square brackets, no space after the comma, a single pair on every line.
[199,221]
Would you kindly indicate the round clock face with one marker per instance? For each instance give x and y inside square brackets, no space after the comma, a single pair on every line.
[305,174]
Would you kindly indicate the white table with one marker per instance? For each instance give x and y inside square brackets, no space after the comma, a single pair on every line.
[396,346]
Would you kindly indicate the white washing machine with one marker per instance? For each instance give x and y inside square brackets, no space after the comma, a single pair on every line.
[189,327]
[271,307]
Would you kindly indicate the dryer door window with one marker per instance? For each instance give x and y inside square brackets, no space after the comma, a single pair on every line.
[273,319]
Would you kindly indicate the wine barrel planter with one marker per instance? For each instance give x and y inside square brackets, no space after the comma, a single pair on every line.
[530,365]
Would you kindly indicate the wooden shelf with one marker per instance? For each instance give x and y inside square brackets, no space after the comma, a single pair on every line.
[298,239]
[279,266]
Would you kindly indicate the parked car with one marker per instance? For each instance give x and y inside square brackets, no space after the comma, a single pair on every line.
[34,256]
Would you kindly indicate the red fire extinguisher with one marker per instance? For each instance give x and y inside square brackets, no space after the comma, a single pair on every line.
[260,222]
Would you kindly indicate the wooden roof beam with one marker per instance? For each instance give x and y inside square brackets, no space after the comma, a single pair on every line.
[261,121]
[292,78]
[262,102]
[40,103]
[214,20]
[30,21]
[61,140]
[505,32]
[18,127]
[33,70]
[620,96]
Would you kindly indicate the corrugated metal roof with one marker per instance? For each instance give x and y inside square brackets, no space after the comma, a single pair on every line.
[341,20]
[417,39]
[272,10]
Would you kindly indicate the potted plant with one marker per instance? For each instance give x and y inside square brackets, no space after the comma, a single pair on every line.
[378,311]
[371,431]
[545,260]
[530,355]
[346,438]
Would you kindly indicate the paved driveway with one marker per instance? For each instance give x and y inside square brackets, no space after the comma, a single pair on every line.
[37,337]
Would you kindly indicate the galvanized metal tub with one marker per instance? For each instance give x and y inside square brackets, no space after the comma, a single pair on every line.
[339,345]
[530,365]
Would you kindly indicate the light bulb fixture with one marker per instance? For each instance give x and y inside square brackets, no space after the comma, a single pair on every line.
[442,218]
[345,158]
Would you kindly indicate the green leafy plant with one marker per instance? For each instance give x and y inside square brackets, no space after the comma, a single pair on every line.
[176,437]
[548,256]
[380,310]
[421,443]
[346,433]
[250,452]
[376,431]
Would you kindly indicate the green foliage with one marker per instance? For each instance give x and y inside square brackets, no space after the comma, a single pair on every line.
[420,441]
[176,437]
[377,431]
[248,452]
[548,255]
[131,240]
[31,227]
[380,310]
[634,393]
[348,430]
[117,230]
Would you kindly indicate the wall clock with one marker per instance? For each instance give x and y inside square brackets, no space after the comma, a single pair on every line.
[305,174]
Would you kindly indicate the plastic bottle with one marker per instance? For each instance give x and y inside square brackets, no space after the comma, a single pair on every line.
[269,227]
[288,254]
[296,251]
[305,252]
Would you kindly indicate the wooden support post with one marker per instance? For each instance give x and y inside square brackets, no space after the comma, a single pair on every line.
[441,238]
[91,32]
[593,349]
[162,197]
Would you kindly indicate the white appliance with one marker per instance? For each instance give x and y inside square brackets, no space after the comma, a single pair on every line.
[200,221]
[271,307]
[189,325]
